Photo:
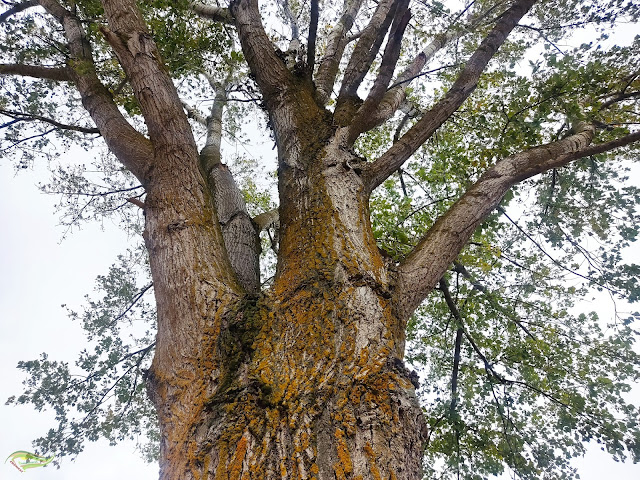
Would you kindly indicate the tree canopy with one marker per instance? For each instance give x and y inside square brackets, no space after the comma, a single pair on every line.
[515,371]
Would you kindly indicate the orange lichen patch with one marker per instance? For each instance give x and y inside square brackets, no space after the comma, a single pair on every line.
[235,467]
[343,466]
[371,457]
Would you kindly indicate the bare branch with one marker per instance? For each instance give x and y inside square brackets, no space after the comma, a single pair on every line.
[336,42]
[293,23]
[195,114]
[210,12]
[619,97]
[17,8]
[363,119]
[28,117]
[396,95]
[61,74]
[362,57]
[375,173]
[444,287]
[266,220]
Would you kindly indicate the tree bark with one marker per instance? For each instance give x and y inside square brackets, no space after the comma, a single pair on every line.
[310,381]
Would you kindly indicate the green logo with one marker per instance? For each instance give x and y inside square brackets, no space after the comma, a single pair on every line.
[24,460]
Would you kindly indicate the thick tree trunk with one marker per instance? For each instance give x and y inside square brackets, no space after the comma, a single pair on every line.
[307,380]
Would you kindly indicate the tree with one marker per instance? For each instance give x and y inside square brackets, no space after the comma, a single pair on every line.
[397,187]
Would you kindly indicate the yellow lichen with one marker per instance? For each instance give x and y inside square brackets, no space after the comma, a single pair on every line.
[371,457]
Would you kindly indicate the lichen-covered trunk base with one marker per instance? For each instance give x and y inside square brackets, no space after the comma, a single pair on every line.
[301,402]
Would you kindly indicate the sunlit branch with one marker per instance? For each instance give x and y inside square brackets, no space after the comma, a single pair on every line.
[29,117]
[375,173]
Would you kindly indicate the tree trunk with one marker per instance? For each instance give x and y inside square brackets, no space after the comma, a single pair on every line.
[306,380]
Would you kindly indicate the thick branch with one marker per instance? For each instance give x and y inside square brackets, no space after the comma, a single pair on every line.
[266,220]
[396,94]
[336,42]
[17,8]
[363,56]
[129,145]
[27,117]
[60,74]
[425,265]
[311,39]
[375,173]
[363,119]
[270,72]
[216,14]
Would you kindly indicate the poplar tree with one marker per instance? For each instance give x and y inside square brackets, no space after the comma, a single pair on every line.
[452,179]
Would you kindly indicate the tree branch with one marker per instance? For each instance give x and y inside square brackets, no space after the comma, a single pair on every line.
[269,70]
[311,39]
[216,14]
[375,173]
[266,220]
[61,74]
[396,95]
[444,287]
[28,117]
[129,145]
[17,8]
[362,57]
[423,267]
[363,118]
[336,42]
